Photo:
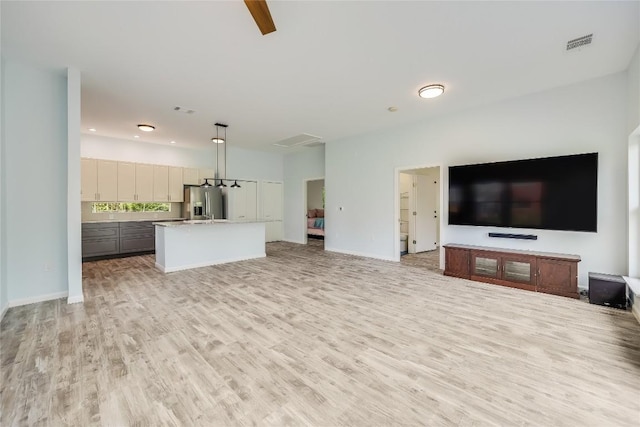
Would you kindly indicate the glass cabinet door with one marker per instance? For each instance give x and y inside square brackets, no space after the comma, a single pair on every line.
[518,269]
[485,266]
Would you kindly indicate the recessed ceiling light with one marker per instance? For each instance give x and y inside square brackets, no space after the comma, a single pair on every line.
[146,128]
[217,140]
[136,136]
[431,91]
[92,129]
[173,142]
[392,109]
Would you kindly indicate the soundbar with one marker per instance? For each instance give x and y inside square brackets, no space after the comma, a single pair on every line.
[514,236]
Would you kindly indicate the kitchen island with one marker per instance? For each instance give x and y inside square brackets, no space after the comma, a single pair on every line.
[182,245]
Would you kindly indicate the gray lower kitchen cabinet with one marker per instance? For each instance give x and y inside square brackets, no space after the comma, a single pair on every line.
[100,239]
[137,236]
[112,239]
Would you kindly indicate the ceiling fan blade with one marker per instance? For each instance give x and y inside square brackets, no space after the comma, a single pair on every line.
[260,12]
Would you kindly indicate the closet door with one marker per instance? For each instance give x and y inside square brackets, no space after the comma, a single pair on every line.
[271,196]
[251,199]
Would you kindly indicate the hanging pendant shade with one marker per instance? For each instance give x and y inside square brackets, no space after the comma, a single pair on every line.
[235,184]
[206,183]
[221,184]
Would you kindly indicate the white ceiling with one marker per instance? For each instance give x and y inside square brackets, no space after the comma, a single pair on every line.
[331,69]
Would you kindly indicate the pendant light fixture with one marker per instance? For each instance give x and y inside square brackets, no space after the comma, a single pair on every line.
[235,184]
[221,184]
[206,183]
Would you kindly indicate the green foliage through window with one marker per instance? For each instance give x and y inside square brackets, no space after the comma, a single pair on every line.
[131,207]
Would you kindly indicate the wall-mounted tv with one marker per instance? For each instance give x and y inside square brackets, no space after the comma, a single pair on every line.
[552,193]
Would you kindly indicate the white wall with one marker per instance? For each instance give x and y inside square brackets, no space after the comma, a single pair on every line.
[4,298]
[585,117]
[102,147]
[254,165]
[314,194]
[633,126]
[298,168]
[35,172]
[241,163]
[633,93]
[634,204]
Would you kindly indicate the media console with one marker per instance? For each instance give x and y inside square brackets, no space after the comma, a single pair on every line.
[550,273]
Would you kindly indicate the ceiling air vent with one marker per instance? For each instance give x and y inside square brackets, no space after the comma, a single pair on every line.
[579,42]
[294,141]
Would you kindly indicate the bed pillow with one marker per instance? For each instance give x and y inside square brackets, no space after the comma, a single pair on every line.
[320,213]
[319,223]
[311,213]
[310,222]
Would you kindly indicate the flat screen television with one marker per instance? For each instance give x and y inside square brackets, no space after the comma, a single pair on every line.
[552,193]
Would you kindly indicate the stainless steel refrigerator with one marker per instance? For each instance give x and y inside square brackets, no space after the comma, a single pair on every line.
[202,203]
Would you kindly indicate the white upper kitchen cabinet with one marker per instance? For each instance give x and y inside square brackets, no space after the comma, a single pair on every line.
[194,176]
[126,182]
[176,184]
[135,182]
[89,180]
[144,182]
[160,183]
[99,180]
[190,176]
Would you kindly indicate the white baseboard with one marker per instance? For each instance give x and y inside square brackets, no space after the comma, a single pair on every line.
[75,300]
[299,242]
[362,254]
[39,298]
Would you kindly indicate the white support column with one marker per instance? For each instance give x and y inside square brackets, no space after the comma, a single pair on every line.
[74,220]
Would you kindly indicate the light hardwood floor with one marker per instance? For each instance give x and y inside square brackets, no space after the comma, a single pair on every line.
[307,337]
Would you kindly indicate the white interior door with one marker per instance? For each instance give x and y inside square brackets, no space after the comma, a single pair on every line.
[424,214]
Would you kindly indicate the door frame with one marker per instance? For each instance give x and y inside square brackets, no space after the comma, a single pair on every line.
[305,187]
[396,203]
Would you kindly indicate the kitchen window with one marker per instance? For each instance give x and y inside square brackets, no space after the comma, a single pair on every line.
[130,207]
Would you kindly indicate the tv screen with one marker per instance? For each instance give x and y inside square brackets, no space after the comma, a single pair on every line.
[552,193]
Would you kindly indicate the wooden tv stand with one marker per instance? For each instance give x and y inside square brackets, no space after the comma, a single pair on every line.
[534,271]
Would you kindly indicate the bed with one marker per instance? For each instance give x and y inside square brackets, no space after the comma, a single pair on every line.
[315,223]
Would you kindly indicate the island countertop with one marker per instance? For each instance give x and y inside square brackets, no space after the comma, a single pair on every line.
[209,222]
[183,245]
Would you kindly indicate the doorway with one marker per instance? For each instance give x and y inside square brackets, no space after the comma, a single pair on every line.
[314,212]
[419,216]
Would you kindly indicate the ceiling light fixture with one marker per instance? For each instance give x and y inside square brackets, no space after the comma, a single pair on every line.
[146,128]
[92,129]
[173,142]
[136,136]
[217,140]
[206,183]
[431,91]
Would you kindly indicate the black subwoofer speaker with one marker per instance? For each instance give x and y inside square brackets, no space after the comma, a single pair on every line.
[607,289]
